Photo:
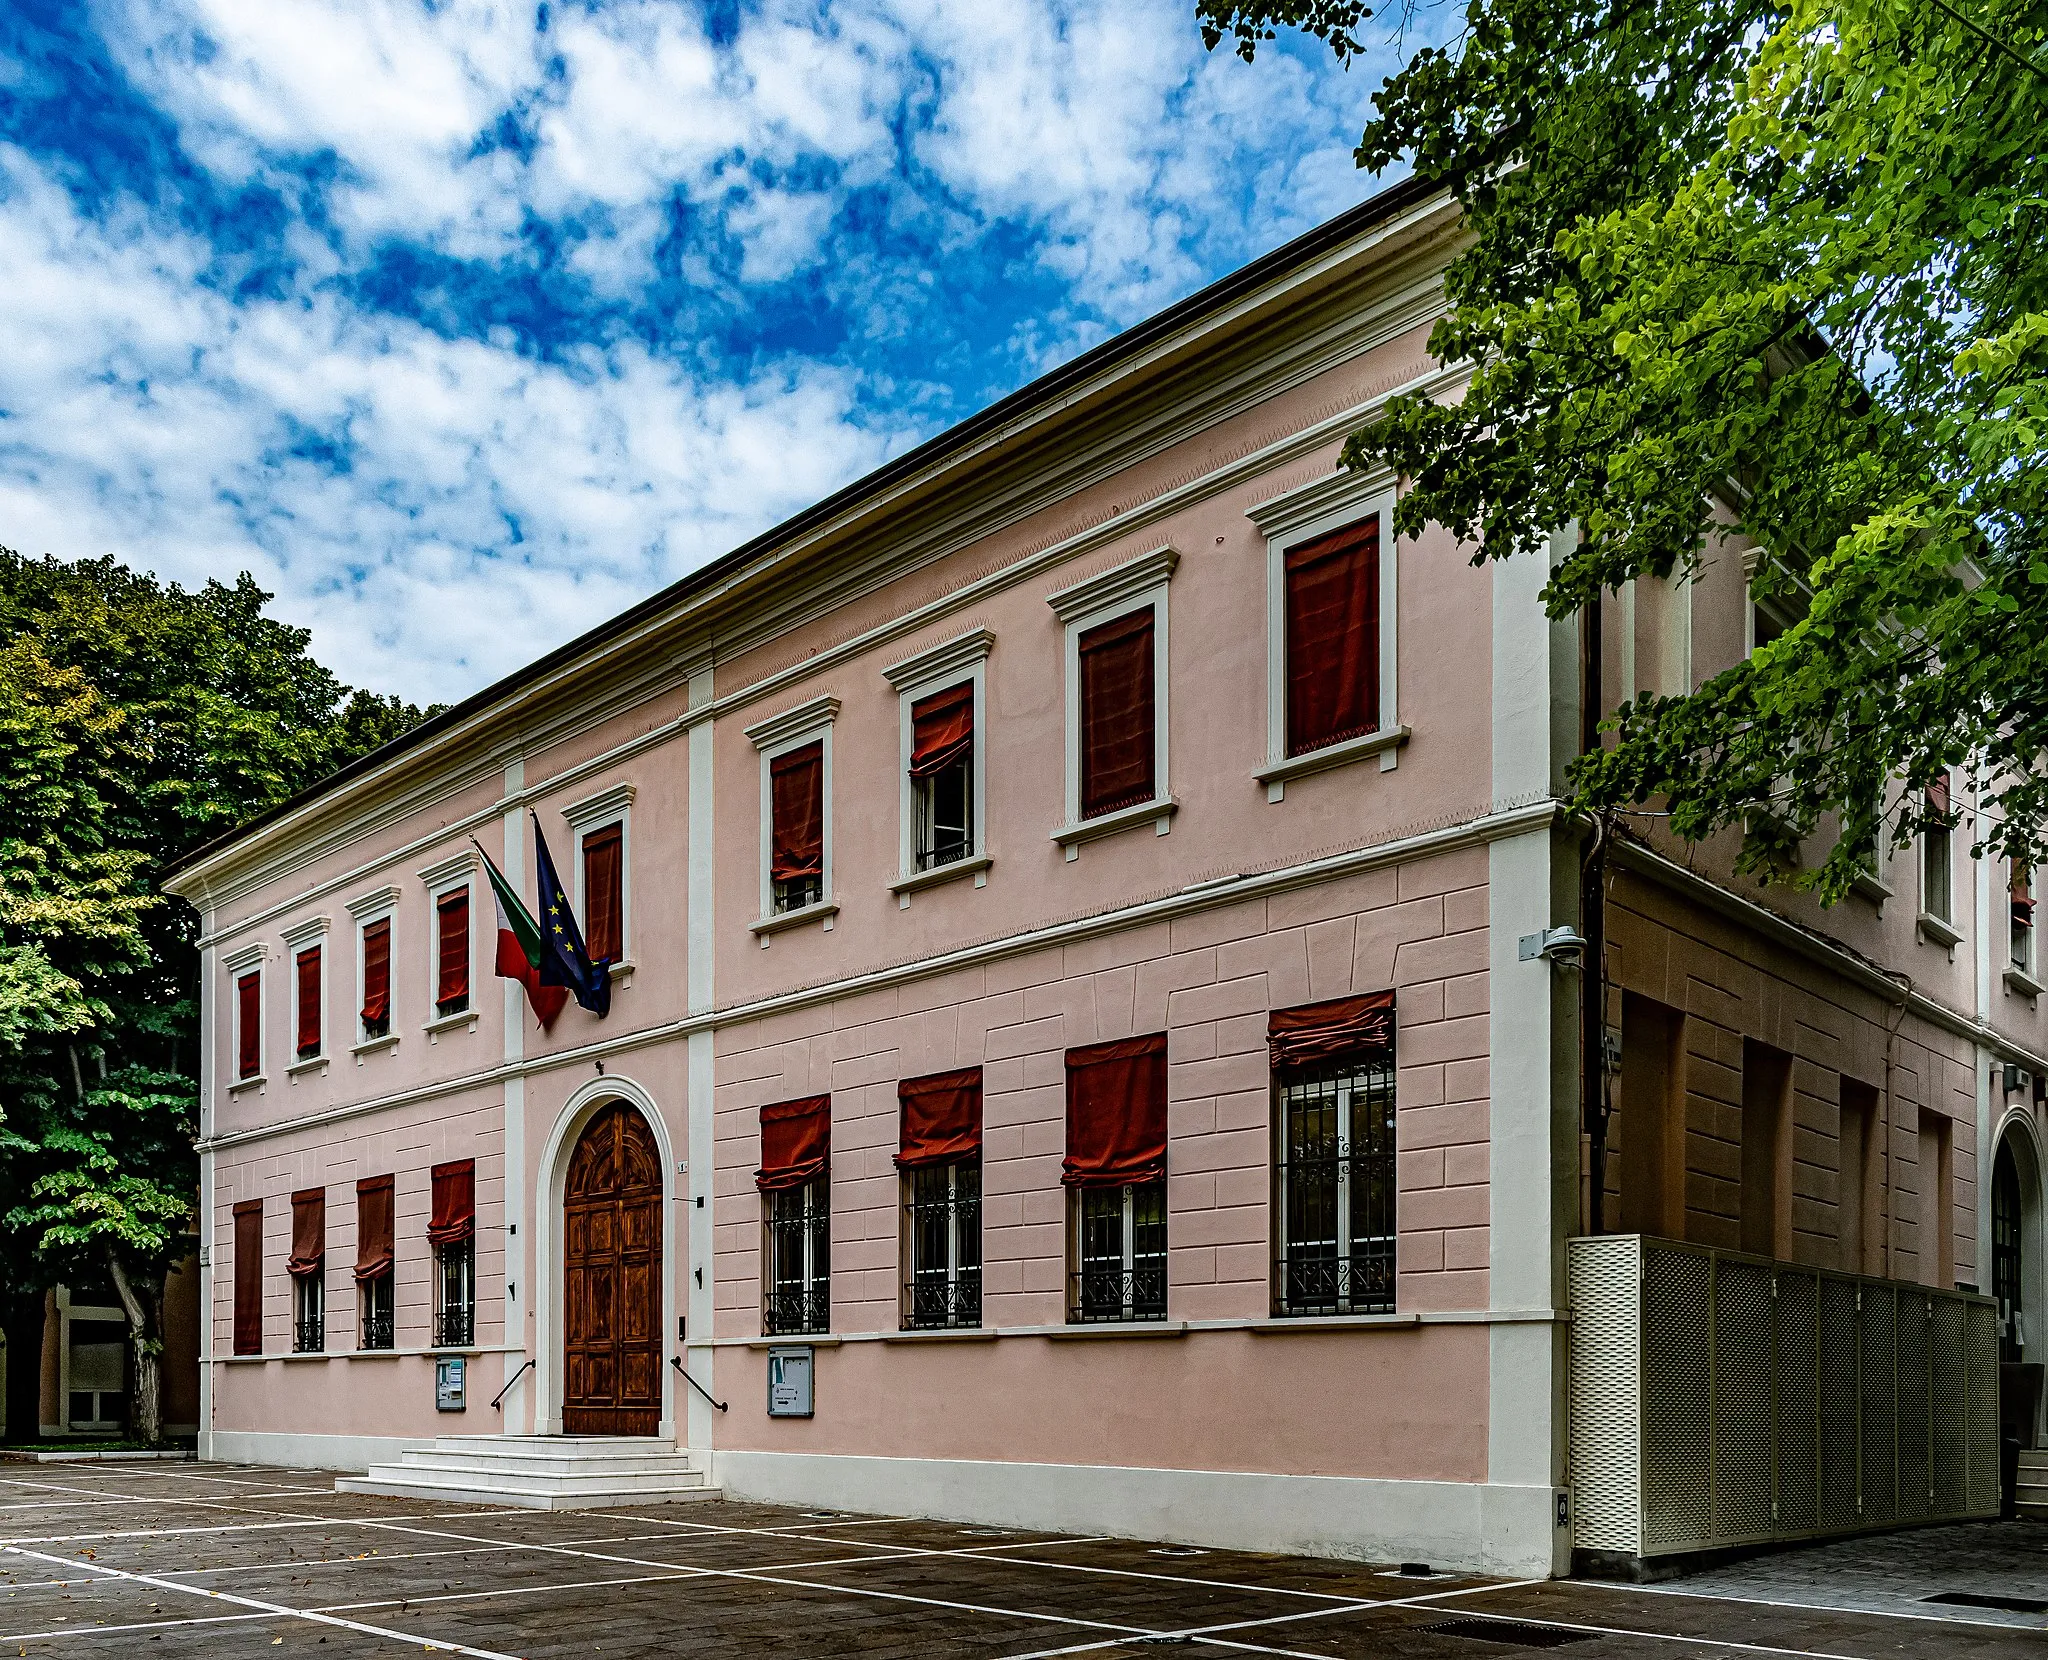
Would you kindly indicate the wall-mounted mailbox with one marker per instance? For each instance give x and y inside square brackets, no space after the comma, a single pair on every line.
[789,1383]
[451,1376]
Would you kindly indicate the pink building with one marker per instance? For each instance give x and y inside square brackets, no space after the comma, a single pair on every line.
[1088,987]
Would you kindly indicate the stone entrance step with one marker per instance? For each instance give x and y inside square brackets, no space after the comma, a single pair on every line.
[2031,1495]
[539,1472]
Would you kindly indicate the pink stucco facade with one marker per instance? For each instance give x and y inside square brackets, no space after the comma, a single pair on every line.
[1416,866]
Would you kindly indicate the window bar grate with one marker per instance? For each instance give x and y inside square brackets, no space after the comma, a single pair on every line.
[1335,1179]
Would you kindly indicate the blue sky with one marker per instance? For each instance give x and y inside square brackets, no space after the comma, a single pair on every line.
[463,326]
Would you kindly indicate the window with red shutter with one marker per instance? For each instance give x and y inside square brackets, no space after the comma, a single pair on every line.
[376,1013]
[249,1277]
[249,1024]
[1119,744]
[1333,637]
[451,968]
[604,893]
[307,967]
[942,775]
[796,851]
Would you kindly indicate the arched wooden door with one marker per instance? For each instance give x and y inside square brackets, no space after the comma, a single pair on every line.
[611,1281]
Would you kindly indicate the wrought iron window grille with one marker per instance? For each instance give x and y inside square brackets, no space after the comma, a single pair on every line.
[945,815]
[309,1336]
[1119,1254]
[454,1328]
[377,1323]
[793,893]
[943,1217]
[455,1308]
[1334,1190]
[798,1297]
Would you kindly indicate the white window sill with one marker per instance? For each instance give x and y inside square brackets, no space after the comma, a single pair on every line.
[1869,887]
[1283,1325]
[950,1334]
[448,1022]
[312,1063]
[1938,930]
[1157,812]
[254,1081]
[1120,1328]
[976,867]
[808,1340]
[823,910]
[2019,980]
[622,969]
[369,1046]
[1385,743]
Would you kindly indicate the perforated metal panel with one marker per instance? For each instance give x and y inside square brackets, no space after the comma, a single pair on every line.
[1840,1455]
[1878,1394]
[1798,1443]
[1743,1431]
[1948,1410]
[1603,1279]
[1678,1371]
[1980,1349]
[1914,1331]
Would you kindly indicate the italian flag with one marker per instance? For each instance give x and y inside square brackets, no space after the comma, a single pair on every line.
[519,947]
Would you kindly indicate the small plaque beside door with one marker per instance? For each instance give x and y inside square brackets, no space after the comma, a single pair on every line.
[789,1383]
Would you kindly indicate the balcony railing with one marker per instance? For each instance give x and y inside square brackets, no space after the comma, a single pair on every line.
[309,1336]
[377,1329]
[1719,1399]
[796,1310]
[1114,1294]
[454,1326]
[938,1303]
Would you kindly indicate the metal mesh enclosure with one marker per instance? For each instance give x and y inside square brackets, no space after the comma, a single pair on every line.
[1721,1399]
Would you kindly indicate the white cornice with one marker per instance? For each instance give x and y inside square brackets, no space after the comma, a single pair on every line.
[592,809]
[1319,498]
[451,869]
[949,657]
[793,724]
[301,932]
[373,904]
[1118,583]
[247,957]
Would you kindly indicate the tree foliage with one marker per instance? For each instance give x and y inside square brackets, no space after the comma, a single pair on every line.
[1762,270]
[136,719]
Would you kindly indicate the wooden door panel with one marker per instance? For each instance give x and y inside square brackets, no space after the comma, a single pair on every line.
[612,1278]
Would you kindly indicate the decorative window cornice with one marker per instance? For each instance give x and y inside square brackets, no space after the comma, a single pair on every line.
[1319,498]
[792,724]
[449,870]
[1118,583]
[596,809]
[373,903]
[304,933]
[247,956]
[950,657]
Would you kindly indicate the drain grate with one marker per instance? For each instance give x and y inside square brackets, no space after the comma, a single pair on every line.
[1976,1599]
[1513,1633]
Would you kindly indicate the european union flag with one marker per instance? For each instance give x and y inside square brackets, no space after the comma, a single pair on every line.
[563,960]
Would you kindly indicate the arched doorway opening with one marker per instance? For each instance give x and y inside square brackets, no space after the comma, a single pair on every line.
[611,1278]
[2016,1283]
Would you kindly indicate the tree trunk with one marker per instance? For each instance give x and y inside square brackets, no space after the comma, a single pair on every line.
[145,1405]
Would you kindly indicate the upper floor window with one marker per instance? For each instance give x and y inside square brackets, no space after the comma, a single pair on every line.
[1115,1170]
[603,829]
[1937,853]
[307,1002]
[1333,1178]
[939,1154]
[2022,898]
[940,694]
[374,919]
[451,952]
[248,1024]
[796,1188]
[796,812]
[1116,650]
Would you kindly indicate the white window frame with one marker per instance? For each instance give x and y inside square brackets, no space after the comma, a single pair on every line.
[809,722]
[440,880]
[1136,585]
[954,662]
[2021,975]
[1939,927]
[309,1291]
[1315,510]
[297,939]
[595,812]
[235,965]
[1346,1242]
[379,906]
[1077,1242]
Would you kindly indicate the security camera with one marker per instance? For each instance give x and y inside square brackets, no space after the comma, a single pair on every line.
[1564,947]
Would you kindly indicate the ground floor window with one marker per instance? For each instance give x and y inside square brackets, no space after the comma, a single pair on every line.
[1119,1253]
[1334,1181]
[455,1295]
[309,1313]
[799,1260]
[944,1217]
[374,1296]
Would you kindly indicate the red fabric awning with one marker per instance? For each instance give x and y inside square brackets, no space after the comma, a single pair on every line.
[1118,751]
[308,969]
[309,1232]
[604,893]
[1938,800]
[941,1118]
[377,975]
[1337,1030]
[796,790]
[249,1024]
[796,1142]
[249,1277]
[941,730]
[375,1246]
[1116,1113]
[1333,638]
[454,1216]
[451,969]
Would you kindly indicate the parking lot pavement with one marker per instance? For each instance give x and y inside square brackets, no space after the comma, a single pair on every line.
[226,1560]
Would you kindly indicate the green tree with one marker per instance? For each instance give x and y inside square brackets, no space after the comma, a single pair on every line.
[1768,269]
[137,718]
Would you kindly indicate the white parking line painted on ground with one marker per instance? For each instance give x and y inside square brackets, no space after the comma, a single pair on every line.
[278,1609]
[1820,1607]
